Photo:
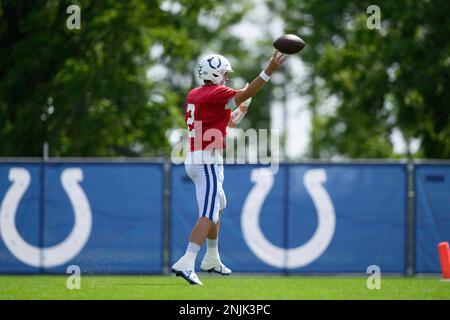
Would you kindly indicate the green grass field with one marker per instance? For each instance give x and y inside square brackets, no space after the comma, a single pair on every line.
[216,287]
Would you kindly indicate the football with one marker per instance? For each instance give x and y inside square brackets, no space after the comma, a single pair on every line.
[289,43]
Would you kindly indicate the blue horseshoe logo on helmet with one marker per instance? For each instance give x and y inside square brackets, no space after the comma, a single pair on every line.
[210,64]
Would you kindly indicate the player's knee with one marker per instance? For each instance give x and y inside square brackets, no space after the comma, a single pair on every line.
[215,217]
[206,221]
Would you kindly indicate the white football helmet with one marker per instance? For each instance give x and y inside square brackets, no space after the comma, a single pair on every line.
[213,68]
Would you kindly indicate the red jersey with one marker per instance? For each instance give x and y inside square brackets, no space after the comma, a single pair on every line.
[207,116]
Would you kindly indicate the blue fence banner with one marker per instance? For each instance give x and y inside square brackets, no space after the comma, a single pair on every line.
[108,217]
[304,219]
[369,205]
[19,218]
[102,217]
[432,219]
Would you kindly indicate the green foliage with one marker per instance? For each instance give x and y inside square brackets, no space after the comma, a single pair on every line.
[86,91]
[395,77]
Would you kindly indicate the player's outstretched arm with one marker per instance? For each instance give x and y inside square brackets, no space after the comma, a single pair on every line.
[276,61]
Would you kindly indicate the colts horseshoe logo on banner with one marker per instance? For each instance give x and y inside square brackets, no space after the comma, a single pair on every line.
[66,250]
[294,257]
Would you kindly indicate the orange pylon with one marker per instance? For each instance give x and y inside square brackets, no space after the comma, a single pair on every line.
[444,253]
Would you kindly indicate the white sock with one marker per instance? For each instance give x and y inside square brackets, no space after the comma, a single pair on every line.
[191,254]
[212,249]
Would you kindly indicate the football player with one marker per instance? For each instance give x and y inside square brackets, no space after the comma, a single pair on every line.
[208,113]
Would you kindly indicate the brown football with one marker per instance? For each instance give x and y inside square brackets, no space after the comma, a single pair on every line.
[289,43]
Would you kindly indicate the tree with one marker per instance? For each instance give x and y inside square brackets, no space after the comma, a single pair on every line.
[86,91]
[395,77]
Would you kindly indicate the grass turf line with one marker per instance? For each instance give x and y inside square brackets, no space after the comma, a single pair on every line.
[223,288]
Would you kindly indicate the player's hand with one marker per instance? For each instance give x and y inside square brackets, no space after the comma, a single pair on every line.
[276,61]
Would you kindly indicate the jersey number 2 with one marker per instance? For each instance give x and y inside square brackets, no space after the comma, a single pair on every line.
[190,119]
